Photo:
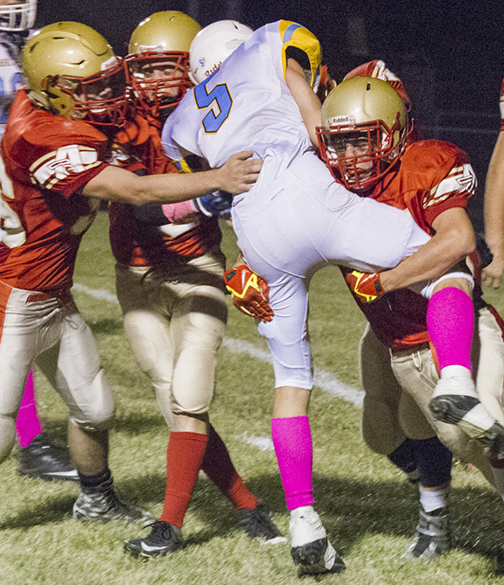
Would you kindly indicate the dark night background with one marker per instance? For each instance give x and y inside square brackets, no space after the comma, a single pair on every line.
[450,55]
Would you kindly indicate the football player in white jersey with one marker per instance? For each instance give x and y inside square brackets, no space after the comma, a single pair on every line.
[39,456]
[295,220]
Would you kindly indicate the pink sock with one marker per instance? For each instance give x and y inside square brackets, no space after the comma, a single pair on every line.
[293,448]
[27,423]
[450,322]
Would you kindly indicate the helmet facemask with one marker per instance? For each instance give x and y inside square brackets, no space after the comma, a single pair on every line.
[158,79]
[359,155]
[19,16]
[99,99]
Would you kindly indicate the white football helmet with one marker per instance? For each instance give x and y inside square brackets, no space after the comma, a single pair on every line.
[17,15]
[213,44]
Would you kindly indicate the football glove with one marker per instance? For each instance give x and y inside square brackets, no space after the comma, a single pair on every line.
[250,293]
[213,203]
[366,287]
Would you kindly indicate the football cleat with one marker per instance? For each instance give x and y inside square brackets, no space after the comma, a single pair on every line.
[103,505]
[164,538]
[433,537]
[256,523]
[310,548]
[47,461]
[456,402]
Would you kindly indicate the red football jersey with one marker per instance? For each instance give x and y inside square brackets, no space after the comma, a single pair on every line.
[431,177]
[138,243]
[46,158]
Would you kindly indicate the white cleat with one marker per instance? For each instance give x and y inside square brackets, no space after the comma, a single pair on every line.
[455,401]
[310,548]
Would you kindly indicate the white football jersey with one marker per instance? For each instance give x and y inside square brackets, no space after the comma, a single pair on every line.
[246,105]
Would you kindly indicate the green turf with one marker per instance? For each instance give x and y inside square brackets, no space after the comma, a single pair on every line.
[369,510]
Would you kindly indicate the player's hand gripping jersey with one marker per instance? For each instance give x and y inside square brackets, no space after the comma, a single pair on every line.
[46,159]
[432,176]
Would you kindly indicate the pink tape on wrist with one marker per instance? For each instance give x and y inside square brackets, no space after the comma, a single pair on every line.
[450,322]
[27,423]
[177,212]
[293,448]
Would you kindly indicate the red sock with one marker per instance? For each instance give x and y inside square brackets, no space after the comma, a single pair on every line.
[218,466]
[183,461]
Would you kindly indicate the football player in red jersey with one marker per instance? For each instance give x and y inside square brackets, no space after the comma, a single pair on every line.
[39,455]
[54,168]
[169,284]
[430,180]
[494,207]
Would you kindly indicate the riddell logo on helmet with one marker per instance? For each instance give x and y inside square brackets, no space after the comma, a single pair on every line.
[341,121]
[215,68]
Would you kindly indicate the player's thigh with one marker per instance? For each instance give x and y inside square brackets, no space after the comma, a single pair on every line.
[413,420]
[147,304]
[416,372]
[490,370]
[380,422]
[197,329]
[73,368]
[30,322]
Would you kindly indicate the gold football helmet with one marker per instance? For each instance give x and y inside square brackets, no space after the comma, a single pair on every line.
[364,132]
[71,70]
[157,65]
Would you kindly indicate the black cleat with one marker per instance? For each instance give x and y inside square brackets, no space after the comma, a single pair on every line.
[256,523]
[47,461]
[433,537]
[164,538]
[103,505]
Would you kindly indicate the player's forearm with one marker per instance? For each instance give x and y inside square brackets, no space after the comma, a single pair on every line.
[433,259]
[494,200]
[237,175]
[116,184]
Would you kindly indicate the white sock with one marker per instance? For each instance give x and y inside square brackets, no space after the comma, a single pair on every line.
[452,371]
[432,500]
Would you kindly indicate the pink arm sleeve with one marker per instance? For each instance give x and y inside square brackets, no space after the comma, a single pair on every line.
[178,212]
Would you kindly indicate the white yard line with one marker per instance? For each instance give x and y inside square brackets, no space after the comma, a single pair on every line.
[322,379]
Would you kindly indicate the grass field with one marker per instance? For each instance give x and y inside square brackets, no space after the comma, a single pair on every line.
[368,508]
